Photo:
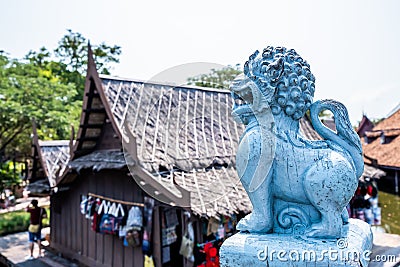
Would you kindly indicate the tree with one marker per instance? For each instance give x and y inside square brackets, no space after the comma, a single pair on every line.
[217,78]
[51,91]
[10,174]
[28,91]
[72,50]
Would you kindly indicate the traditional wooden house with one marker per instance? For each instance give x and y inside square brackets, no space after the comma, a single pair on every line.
[365,125]
[49,161]
[381,146]
[150,145]
[182,154]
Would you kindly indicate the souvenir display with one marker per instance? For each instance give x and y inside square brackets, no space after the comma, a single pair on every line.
[171,218]
[148,222]
[166,256]
[115,217]
[168,236]
[364,204]
[148,261]
[187,243]
[133,223]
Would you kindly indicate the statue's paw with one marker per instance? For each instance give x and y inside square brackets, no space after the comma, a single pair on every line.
[319,231]
[253,224]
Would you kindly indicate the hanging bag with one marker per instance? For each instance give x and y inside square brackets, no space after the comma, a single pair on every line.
[33,228]
[186,249]
[148,261]
[83,205]
[110,223]
[135,218]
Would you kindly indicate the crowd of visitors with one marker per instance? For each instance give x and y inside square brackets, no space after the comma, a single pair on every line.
[364,204]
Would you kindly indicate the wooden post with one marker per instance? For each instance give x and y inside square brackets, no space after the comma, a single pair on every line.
[396,182]
[157,242]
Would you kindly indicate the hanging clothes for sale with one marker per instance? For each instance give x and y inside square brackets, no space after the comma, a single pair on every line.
[213,225]
[96,216]
[212,258]
[148,224]
[171,218]
[133,227]
[210,250]
[135,218]
[112,220]
[83,205]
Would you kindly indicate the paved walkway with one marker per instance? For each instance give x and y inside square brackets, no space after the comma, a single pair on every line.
[385,246]
[22,203]
[15,248]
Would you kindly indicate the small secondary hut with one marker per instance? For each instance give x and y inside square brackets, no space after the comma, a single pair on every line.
[49,161]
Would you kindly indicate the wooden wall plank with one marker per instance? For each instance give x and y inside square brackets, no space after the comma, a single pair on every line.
[100,190]
[118,248]
[84,222]
[91,242]
[109,181]
[72,231]
[74,209]
[127,251]
[156,239]
[138,197]
[63,233]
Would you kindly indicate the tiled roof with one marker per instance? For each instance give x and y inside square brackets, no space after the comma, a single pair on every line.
[184,136]
[384,154]
[180,127]
[364,126]
[50,159]
[187,135]
[55,156]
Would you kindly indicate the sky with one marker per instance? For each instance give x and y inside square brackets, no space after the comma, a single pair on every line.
[353,46]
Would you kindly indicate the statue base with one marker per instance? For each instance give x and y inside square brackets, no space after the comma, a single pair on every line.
[244,249]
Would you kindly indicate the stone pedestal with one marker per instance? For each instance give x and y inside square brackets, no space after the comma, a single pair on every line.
[281,250]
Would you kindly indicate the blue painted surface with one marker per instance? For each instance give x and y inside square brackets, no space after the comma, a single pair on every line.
[295,185]
[299,188]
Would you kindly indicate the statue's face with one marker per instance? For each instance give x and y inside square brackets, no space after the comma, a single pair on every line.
[242,93]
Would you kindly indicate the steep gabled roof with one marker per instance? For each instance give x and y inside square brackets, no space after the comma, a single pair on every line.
[365,125]
[181,140]
[95,113]
[55,157]
[50,159]
[183,135]
[384,154]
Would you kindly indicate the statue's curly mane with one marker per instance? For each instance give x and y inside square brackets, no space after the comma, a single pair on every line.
[284,78]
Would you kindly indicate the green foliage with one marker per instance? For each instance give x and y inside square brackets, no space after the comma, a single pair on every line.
[48,90]
[18,221]
[217,78]
[10,174]
[72,49]
[29,91]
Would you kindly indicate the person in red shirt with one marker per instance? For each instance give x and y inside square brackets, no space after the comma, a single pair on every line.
[35,227]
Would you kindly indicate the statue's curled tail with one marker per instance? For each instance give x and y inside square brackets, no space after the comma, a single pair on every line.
[345,136]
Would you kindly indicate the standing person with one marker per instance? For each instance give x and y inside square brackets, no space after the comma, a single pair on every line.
[35,227]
